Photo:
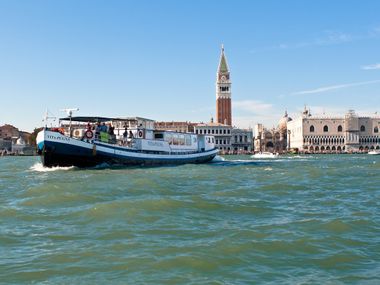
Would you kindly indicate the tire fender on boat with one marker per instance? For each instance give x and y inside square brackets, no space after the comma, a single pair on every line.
[89,134]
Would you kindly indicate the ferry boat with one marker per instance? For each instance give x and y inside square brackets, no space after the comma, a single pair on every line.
[91,141]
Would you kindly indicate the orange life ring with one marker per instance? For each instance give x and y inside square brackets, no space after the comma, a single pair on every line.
[89,134]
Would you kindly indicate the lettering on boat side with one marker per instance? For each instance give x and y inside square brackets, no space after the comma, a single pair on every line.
[58,138]
[155,143]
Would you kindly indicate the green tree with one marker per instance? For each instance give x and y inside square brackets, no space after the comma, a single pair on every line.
[33,137]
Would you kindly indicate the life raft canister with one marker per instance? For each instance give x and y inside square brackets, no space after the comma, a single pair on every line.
[89,134]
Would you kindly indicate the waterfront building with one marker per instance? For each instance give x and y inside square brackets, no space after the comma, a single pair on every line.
[20,147]
[322,134]
[5,146]
[241,140]
[223,92]
[272,140]
[182,127]
[14,141]
[8,131]
[221,132]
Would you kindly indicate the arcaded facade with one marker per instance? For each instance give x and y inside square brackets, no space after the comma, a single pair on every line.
[349,133]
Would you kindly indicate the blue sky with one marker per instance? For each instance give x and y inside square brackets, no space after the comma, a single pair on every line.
[158,59]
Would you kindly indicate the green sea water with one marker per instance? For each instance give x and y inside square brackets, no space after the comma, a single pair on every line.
[289,220]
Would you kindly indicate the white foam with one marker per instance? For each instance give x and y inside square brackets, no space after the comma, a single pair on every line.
[40,168]
[218,158]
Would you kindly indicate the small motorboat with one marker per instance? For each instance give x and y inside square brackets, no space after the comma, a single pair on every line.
[265,155]
[374,152]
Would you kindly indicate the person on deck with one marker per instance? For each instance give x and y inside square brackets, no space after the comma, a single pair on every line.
[97,131]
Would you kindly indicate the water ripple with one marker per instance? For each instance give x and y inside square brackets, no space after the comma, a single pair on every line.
[289,220]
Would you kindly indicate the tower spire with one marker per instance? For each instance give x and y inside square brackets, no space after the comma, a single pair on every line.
[223,66]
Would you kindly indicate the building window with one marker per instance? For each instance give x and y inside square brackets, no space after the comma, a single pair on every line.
[376,130]
[208,131]
[229,131]
[212,131]
[325,129]
[362,129]
[224,131]
[311,129]
[340,129]
[216,131]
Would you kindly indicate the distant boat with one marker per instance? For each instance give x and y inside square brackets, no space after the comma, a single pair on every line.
[265,155]
[91,141]
[374,152]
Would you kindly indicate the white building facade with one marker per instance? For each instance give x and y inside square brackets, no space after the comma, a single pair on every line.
[221,132]
[241,140]
[320,134]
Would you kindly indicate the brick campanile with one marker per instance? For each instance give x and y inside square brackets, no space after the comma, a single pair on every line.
[223,92]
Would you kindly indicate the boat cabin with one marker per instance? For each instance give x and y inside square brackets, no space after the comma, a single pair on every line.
[134,132]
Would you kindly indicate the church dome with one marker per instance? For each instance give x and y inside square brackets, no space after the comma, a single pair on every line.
[282,124]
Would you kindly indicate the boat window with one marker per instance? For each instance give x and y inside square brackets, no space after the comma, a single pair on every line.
[169,138]
[159,136]
[188,140]
[175,139]
[182,139]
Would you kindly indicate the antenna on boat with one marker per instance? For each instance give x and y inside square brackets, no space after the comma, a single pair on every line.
[47,117]
[69,112]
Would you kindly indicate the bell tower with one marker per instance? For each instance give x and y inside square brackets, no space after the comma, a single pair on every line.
[223,92]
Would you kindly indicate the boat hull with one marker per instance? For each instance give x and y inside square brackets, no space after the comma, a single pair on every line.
[58,150]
